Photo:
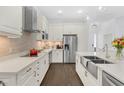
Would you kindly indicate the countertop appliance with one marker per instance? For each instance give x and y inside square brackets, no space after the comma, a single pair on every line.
[108,80]
[69,48]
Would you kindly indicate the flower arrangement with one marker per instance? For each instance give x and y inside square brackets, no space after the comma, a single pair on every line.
[119,45]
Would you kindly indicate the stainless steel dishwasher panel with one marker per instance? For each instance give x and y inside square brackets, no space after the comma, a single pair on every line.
[108,80]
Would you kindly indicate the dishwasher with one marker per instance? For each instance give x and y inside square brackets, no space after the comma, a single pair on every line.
[108,80]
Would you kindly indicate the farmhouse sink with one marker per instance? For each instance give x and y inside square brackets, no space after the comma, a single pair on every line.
[91,57]
[99,61]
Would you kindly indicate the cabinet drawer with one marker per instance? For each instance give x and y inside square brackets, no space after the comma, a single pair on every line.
[31,81]
[25,74]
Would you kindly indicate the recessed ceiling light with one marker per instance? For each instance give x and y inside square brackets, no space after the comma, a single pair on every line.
[60,12]
[100,8]
[87,17]
[79,11]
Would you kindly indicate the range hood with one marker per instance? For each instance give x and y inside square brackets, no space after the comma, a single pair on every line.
[30,19]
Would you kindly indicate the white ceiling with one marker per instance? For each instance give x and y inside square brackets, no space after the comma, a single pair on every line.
[70,13]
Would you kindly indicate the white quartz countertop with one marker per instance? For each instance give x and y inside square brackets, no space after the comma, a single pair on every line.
[16,64]
[116,69]
[113,60]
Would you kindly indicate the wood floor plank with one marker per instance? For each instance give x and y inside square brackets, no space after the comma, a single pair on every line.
[61,75]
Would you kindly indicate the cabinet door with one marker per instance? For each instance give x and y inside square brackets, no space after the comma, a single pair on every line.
[57,56]
[7,80]
[55,32]
[53,56]
[11,18]
[46,64]
[60,56]
[31,81]
[42,23]
[39,22]
[81,72]
[24,75]
[90,80]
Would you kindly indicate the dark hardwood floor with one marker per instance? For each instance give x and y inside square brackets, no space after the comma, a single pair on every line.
[61,75]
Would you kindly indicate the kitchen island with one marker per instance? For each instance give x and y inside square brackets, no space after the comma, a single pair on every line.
[115,69]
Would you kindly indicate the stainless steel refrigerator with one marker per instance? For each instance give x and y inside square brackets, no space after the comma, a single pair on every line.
[70,48]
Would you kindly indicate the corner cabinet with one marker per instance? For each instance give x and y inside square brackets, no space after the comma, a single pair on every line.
[11,21]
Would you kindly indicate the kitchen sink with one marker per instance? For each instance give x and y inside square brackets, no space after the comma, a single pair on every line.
[91,57]
[89,64]
[98,61]
[93,69]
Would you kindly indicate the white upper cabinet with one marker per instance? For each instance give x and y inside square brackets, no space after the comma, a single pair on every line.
[11,20]
[56,32]
[42,23]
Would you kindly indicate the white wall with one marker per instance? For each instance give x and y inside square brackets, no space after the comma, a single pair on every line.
[114,28]
[56,30]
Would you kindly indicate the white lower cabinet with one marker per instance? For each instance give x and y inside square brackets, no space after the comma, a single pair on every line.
[7,80]
[57,56]
[31,75]
[90,80]
[86,77]
[27,74]
[79,69]
[42,67]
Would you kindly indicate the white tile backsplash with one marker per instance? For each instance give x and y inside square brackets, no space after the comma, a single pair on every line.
[10,46]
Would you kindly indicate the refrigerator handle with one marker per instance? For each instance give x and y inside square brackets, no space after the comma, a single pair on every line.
[66,47]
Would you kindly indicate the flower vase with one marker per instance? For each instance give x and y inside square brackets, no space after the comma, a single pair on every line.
[119,53]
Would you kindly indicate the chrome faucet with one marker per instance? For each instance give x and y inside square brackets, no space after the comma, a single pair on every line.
[106,51]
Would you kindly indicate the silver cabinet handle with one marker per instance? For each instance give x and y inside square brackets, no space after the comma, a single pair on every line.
[35,74]
[37,68]
[2,83]
[28,69]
